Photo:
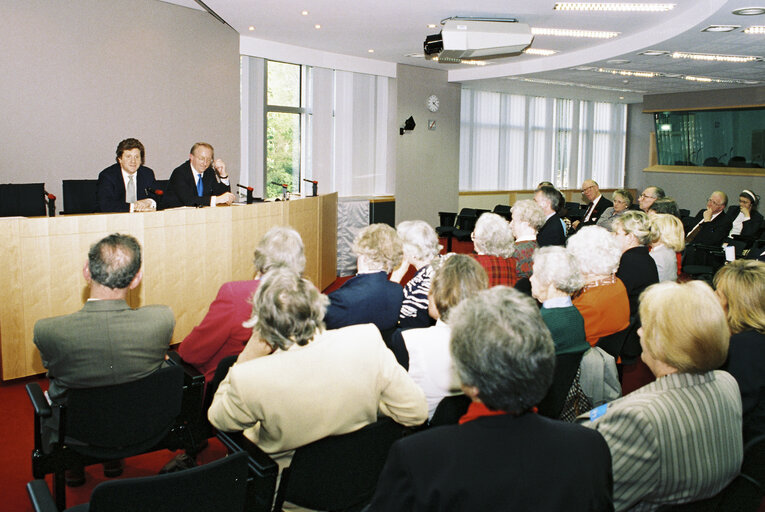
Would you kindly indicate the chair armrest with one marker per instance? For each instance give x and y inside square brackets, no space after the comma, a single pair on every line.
[39,495]
[39,402]
[262,471]
[190,372]
[237,442]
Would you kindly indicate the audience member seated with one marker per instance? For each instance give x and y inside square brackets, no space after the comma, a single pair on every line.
[199,181]
[124,186]
[677,439]
[106,342]
[527,218]
[425,352]
[597,205]
[745,218]
[622,202]
[667,239]
[552,231]
[556,277]
[740,287]
[370,297]
[493,241]
[666,205]
[295,383]
[649,195]
[420,244]
[710,226]
[502,456]
[637,270]
[603,302]
[221,333]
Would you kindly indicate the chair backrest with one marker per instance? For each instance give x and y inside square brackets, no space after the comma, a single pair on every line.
[219,486]
[220,373]
[446,219]
[566,366]
[80,196]
[466,219]
[22,199]
[338,472]
[449,410]
[124,419]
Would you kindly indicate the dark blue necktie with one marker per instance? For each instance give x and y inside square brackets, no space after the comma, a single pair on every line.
[200,188]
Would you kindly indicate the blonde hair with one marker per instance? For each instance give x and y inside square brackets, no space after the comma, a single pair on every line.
[527,210]
[742,283]
[458,278]
[667,229]
[381,245]
[492,235]
[684,326]
[634,223]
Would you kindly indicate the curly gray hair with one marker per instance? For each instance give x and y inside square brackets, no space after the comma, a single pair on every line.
[492,235]
[555,265]
[595,250]
[527,210]
[280,246]
[381,245]
[419,239]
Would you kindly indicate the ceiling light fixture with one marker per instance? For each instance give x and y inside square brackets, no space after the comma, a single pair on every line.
[571,84]
[720,28]
[621,7]
[757,29]
[653,53]
[317,26]
[450,60]
[431,25]
[711,57]
[657,74]
[618,61]
[626,72]
[539,51]
[749,11]
[371,50]
[304,13]
[565,32]
[251,28]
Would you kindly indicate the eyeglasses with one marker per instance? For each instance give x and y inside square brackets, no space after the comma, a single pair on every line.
[585,189]
[643,196]
[718,203]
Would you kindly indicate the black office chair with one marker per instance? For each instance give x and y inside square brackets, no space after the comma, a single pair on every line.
[465,224]
[702,261]
[504,210]
[106,423]
[22,200]
[449,410]
[215,487]
[80,196]
[446,227]
[338,472]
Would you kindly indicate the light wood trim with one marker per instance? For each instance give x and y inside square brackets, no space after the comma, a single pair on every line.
[722,171]
[187,254]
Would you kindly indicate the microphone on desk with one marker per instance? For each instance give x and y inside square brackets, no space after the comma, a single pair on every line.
[154,191]
[315,186]
[249,190]
[284,189]
[51,202]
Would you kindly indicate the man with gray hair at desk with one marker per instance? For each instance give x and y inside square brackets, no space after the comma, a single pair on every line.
[107,342]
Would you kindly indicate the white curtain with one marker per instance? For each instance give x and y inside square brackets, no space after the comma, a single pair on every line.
[510,141]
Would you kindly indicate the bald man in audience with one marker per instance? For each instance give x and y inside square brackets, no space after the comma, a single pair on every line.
[597,204]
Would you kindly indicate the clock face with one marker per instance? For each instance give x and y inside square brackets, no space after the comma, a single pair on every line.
[432,103]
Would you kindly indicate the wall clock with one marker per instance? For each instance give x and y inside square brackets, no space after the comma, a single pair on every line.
[432,103]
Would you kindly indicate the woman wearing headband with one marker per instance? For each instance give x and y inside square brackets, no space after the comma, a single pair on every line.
[746,220]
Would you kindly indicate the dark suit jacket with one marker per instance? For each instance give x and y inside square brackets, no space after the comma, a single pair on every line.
[552,232]
[712,232]
[750,226]
[746,362]
[182,188]
[367,298]
[111,188]
[637,270]
[597,211]
[106,342]
[507,463]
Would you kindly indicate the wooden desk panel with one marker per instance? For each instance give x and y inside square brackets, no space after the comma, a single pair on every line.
[187,254]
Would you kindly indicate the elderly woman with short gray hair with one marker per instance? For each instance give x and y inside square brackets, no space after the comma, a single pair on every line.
[528,218]
[603,300]
[622,201]
[493,243]
[421,247]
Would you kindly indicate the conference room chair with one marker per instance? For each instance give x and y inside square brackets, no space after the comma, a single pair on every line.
[219,486]
[22,200]
[446,227]
[106,423]
[503,210]
[80,196]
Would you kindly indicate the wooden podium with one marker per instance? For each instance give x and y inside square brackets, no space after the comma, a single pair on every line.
[188,253]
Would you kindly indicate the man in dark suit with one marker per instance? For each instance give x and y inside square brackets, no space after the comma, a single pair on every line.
[106,342]
[199,181]
[502,456]
[597,204]
[123,187]
[552,232]
[710,227]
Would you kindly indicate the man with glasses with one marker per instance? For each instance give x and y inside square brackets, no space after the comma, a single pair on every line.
[709,227]
[122,187]
[200,181]
[649,196]
[597,204]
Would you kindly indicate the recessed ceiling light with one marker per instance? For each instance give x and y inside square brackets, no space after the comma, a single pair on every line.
[539,51]
[452,60]
[317,26]
[657,74]
[251,28]
[571,84]
[711,57]
[415,55]
[564,32]
[622,7]
[757,29]
[371,50]
[304,13]
[431,25]
[653,53]
[720,28]
[618,61]
[627,72]
[749,11]
[621,97]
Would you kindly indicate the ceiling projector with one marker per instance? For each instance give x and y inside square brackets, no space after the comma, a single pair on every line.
[477,39]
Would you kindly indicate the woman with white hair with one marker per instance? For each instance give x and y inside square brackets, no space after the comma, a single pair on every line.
[527,218]
[493,243]
[622,201]
[421,247]
[667,239]
[637,269]
[370,297]
[555,278]
[603,300]
[221,333]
